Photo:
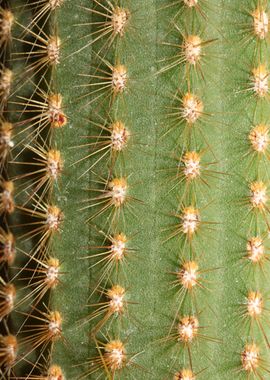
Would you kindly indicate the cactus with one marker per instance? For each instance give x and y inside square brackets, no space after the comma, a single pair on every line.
[134,189]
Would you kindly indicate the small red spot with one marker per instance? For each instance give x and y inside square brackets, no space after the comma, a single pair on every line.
[61,120]
[58,120]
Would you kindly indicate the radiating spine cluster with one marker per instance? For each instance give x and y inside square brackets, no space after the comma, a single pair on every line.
[188,120]
[98,74]
[8,340]
[254,307]
[110,191]
[31,165]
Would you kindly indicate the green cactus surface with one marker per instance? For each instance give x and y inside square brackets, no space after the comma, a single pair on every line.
[134,158]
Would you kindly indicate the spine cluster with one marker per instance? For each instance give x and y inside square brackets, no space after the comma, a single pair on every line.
[256,168]
[32,124]
[31,166]
[102,101]
[8,341]
[190,122]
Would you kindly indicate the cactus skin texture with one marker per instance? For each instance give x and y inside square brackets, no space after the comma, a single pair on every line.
[170,280]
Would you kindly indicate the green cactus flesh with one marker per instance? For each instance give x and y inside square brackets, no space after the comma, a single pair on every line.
[159,110]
